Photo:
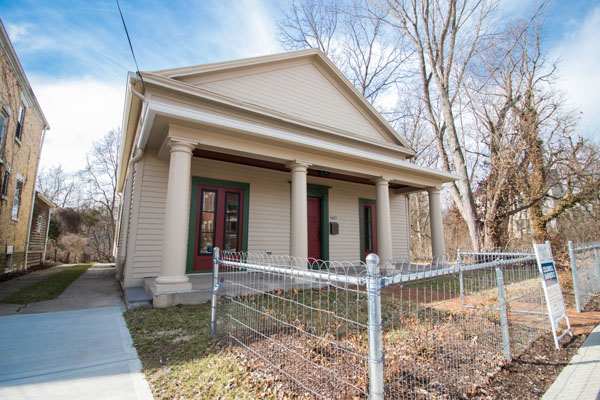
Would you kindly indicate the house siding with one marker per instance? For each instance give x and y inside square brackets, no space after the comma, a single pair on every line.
[39,229]
[300,91]
[269,213]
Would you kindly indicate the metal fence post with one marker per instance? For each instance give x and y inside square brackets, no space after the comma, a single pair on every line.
[503,315]
[215,286]
[597,257]
[461,280]
[574,273]
[375,329]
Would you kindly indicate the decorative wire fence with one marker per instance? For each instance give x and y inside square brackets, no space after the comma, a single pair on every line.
[585,267]
[332,330]
[309,330]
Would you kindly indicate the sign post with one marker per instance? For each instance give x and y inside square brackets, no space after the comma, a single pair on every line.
[554,298]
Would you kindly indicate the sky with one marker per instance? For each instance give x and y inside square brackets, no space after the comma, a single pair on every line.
[76,54]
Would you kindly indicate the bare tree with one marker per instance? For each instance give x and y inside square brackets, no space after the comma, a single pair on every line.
[309,24]
[57,185]
[446,36]
[100,177]
[364,48]
[534,161]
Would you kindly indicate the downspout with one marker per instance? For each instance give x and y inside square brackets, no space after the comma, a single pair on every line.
[37,168]
[137,155]
[47,232]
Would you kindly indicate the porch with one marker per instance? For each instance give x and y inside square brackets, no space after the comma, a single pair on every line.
[280,170]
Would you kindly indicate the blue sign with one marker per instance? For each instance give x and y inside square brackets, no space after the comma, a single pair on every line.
[549,271]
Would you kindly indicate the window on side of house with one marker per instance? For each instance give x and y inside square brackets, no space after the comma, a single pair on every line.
[17,200]
[5,180]
[40,221]
[20,122]
[3,124]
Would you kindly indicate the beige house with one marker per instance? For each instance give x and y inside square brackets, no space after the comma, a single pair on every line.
[277,154]
[22,129]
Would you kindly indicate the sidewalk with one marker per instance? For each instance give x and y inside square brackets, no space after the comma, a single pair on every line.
[76,346]
[84,354]
[581,378]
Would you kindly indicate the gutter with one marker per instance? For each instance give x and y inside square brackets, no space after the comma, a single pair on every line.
[127,141]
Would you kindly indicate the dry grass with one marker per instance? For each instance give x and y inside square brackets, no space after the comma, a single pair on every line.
[181,361]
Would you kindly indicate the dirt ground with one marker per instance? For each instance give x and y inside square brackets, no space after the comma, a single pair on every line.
[528,376]
[531,373]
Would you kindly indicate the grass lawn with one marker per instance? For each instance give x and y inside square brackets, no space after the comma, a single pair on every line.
[182,361]
[49,288]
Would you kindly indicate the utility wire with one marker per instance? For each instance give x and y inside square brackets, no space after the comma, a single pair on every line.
[130,45]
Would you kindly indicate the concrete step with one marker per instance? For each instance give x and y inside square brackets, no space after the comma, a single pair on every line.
[137,296]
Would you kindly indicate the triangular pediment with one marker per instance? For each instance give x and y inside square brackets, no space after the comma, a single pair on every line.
[303,86]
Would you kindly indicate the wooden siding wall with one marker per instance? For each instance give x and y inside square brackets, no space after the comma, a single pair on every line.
[269,213]
[301,91]
[39,228]
[148,239]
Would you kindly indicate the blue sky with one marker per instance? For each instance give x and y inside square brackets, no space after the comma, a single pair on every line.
[76,54]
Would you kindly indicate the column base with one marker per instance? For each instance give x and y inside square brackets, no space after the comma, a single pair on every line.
[172,284]
[173,287]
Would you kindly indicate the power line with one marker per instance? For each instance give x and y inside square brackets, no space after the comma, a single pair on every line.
[130,45]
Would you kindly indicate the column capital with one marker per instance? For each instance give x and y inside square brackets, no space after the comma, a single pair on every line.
[298,166]
[382,180]
[434,190]
[181,145]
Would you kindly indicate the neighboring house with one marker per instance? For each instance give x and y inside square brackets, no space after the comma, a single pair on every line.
[277,154]
[22,129]
[519,225]
[38,235]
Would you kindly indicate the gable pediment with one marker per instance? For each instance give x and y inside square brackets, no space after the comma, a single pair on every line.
[304,88]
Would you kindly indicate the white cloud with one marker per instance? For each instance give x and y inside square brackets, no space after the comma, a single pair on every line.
[579,67]
[16,32]
[78,111]
[248,29]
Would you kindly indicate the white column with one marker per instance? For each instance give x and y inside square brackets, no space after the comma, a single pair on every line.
[438,247]
[384,221]
[299,216]
[172,269]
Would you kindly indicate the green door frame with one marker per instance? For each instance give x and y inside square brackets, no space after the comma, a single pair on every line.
[199,181]
[322,192]
[361,225]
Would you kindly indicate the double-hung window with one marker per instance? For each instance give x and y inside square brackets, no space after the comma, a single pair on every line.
[3,124]
[18,195]
[5,179]
[20,122]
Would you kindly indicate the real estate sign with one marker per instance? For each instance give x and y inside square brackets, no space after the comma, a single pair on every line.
[552,290]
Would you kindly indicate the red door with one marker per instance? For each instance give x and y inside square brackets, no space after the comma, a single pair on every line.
[314,227]
[368,229]
[218,223]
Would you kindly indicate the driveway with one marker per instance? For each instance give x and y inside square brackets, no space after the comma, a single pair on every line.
[83,353]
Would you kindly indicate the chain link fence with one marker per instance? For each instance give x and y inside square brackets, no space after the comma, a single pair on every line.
[345,330]
[585,267]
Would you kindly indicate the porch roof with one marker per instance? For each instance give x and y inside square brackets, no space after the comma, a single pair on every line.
[226,125]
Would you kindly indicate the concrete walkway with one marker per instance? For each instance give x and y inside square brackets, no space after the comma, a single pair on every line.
[97,287]
[581,378]
[86,353]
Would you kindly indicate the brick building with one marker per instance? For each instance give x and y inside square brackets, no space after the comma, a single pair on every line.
[22,129]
